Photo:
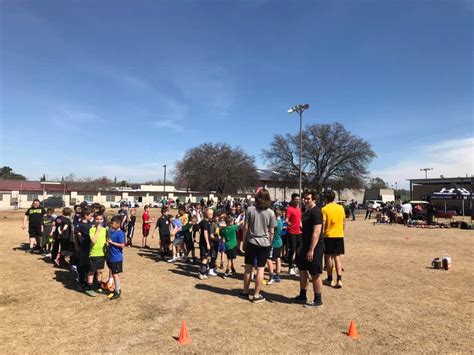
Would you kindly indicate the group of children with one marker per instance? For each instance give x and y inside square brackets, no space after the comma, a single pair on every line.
[84,235]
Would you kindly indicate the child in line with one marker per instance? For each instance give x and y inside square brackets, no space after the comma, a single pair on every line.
[188,239]
[205,242]
[62,237]
[178,241]
[163,226]
[34,217]
[214,239]
[229,235]
[131,226]
[147,220]
[48,224]
[277,246]
[115,245]
[98,237]
[221,247]
[87,221]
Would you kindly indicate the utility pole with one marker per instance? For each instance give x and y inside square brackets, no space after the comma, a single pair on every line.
[426,171]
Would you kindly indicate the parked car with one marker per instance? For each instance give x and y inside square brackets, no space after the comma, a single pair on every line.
[128,203]
[156,205]
[376,204]
[53,202]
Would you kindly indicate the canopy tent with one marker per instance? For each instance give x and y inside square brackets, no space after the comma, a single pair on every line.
[452,192]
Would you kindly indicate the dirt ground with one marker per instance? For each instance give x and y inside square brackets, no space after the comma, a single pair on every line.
[399,303]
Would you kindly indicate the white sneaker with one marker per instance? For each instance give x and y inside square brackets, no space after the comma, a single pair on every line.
[202,276]
[172,260]
[269,282]
[48,255]
[211,272]
[292,272]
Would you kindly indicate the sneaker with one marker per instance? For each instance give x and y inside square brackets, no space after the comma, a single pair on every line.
[202,276]
[226,275]
[258,299]
[277,279]
[299,299]
[313,304]
[91,293]
[327,282]
[114,296]
[269,282]
[338,284]
[172,260]
[99,290]
[292,272]
[48,255]
[211,272]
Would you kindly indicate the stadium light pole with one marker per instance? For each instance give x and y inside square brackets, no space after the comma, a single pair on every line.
[426,171]
[300,109]
[164,181]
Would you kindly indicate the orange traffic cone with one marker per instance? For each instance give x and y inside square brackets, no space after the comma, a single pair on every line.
[353,330]
[184,337]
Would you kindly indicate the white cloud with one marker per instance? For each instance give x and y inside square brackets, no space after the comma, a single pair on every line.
[450,158]
[168,124]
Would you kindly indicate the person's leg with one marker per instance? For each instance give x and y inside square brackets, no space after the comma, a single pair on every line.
[247,273]
[258,281]
[317,288]
[291,249]
[329,266]
[32,243]
[278,266]
[270,268]
[117,283]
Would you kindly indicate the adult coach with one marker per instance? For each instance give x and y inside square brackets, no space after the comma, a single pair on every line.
[293,236]
[34,217]
[310,258]
[333,230]
[258,229]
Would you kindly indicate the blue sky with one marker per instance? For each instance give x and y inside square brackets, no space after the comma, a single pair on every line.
[120,88]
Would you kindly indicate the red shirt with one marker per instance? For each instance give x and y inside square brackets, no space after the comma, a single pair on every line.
[146,217]
[293,215]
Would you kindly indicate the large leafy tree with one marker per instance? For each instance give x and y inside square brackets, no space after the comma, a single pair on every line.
[377,183]
[216,167]
[331,156]
[6,173]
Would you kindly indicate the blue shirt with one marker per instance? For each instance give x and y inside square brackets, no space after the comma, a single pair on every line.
[178,224]
[114,253]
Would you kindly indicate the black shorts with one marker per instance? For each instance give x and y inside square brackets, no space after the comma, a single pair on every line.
[165,239]
[96,263]
[334,246]
[276,253]
[115,267]
[314,267]
[405,216]
[256,253]
[231,254]
[34,231]
[203,252]
[189,242]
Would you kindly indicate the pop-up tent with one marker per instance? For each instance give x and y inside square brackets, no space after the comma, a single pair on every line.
[452,192]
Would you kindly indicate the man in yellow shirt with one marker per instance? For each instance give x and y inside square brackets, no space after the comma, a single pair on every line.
[333,231]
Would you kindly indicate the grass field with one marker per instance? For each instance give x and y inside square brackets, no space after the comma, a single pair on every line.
[399,303]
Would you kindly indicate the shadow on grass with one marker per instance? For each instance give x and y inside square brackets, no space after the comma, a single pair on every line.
[235,292]
[22,247]
[67,279]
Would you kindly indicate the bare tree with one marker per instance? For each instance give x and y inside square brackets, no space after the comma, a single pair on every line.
[216,167]
[331,157]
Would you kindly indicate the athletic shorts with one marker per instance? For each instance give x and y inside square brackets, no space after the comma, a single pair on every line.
[314,267]
[231,254]
[115,267]
[165,239]
[221,248]
[146,231]
[254,252]
[203,252]
[34,231]
[96,263]
[276,253]
[189,242]
[405,216]
[65,246]
[178,241]
[240,235]
[334,246]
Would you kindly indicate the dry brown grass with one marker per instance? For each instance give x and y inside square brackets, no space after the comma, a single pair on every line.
[398,302]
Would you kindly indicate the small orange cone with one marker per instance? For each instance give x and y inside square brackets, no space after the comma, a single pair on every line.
[184,337]
[353,330]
